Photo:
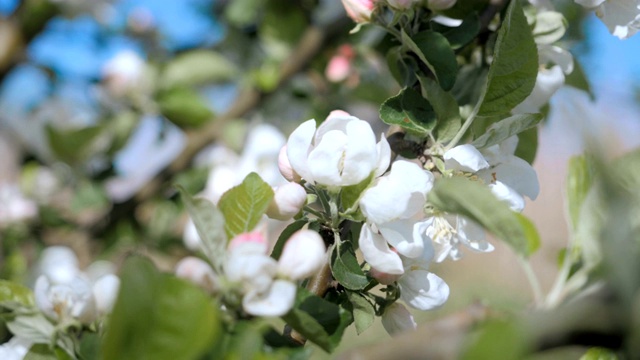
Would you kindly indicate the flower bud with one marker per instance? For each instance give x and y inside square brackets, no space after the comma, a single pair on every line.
[285,166]
[383,277]
[59,263]
[302,256]
[198,272]
[359,10]
[254,242]
[287,201]
[105,291]
[440,4]
[397,319]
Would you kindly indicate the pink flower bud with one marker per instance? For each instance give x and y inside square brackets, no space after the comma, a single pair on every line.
[303,255]
[251,242]
[338,68]
[285,166]
[287,201]
[359,10]
[198,272]
[383,277]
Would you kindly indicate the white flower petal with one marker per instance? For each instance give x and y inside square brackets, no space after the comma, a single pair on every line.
[198,272]
[298,147]
[508,195]
[472,235]
[105,292]
[287,201]
[254,272]
[384,156]
[397,319]
[423,290]
[406,236]
[516,174]
[326,160]
[361,155]
[377,253]
[303,255]
[275,301]
[465,158]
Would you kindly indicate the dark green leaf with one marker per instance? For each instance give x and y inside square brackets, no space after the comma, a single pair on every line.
[463,34]
[306,325]
[197,67]
[41,352]
[470,198]
[363,311]
[514,69]
[90,346]
[184,107]
[210,225]
[410,111]
[446,109]
[349,195]
[244,205]
[285,235]
[158,317]
[72,145]
[435,52]
[506,128]
[527,145]
[345,268]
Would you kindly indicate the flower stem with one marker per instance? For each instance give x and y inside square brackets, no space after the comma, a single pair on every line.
[533,281]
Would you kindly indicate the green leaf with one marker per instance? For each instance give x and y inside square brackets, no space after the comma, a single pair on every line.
[285,235]
[550,27]
[498,340]
[90,345]
[41,352]
[506,128]
[463,34]
[410,111]
[243,12]
[363,311]
[34,327]
[345,268]
[13,295]
[470,198]
[527,145]
[72,145]
[244,205]
[159,317]
[597,353]
[210,225]
[349,195]
[578,79]
[306,325]
[197,67]
[434,50]
[579,180]
[514,69]
[184,107]
[446,109]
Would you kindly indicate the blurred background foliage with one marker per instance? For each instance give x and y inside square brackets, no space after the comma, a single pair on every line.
[106,104]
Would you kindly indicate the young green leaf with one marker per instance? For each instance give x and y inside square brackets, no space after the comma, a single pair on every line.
[514,69]
[184,107]
[506,128]
[435,52]
[470,198]
[445,107]
[72,145]
[579,180]
[159,317]
[196,68]
[13,295]
[363,311]
[244,205]
[410,111]
[210,225]
[345,268]
[349,195]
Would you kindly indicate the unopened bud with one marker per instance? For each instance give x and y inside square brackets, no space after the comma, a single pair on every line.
[198,272]
[359,10]
[105,291]
[251,242]
[303,255]
[287,201]
[383,277]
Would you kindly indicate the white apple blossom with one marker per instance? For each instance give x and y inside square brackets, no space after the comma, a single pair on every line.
[14,206]
[123,72]
[397,319]
[105,291]
[448,232]
[342,151]
[15,349]
[65,302]
[509,177]
[622,17]
[198,272]
[268,286]
[390,207]
[288,200]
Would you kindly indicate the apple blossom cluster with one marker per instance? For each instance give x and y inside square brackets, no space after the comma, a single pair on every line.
[65,294]
[622,17]
[265,286]
[400,236]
